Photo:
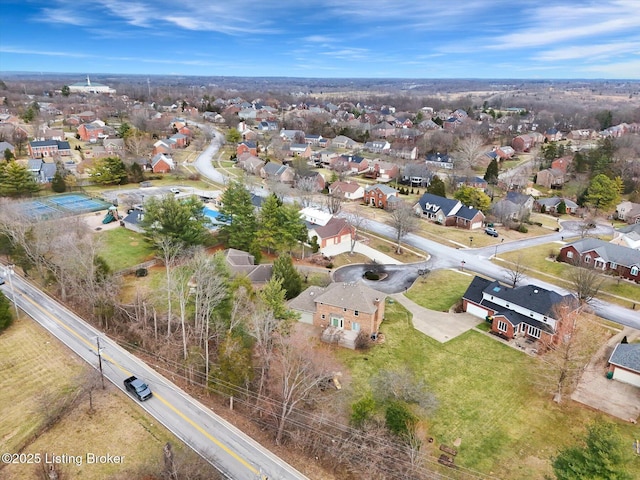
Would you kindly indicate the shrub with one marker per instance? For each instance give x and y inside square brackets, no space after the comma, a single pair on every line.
[363,341]
[141,272]
[362,410]
[369,275]
[522,228]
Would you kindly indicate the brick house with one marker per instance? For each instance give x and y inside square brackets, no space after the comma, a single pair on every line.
[277,172]
[90,132]
[247,147]
[438,209]
[562,163]
[608,257]
[342,310]
[49,149]
[383,171]
[161,163]
[378,195]
[334,232]
[550,178]
[469,218]
[524,143]
[551,205]
[350,163]
[528,311]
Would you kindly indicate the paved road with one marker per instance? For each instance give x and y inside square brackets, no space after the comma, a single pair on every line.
[203,162]
[477,260]
[235,454]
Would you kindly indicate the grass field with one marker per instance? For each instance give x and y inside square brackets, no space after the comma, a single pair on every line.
[389,248]
[124,248]
[36,372]
[507,425]
[439,290]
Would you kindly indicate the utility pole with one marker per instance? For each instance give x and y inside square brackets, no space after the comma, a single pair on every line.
[9,271]
[100,361]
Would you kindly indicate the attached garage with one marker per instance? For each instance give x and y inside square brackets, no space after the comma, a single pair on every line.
[477,310]
[624,363]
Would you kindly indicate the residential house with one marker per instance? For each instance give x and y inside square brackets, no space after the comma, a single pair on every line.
[350,163]
[377,146]
[250,163]
[180,140]
[608,257]
[241,263]
[439,160]
[524,143]
[505,152]
[292,135]
[49,149]
[378,195]
[404,152]
[247,147]
[628,212]
[416,175]
[628,236]
[624,363]
[299,150]
[583,134]
[515,206]
[342,141]
[312,139]
[86,116]
[469,218]
[334,232]
[313,177]
[162,163]
[438,209]
[551,205]
[383,130]
[553,135]
[550,178]
[162,146]
[42,171]
[562,163]
[114,146]
[133,220]
[383,171]
[349,190]
[278,173]
[268,126]
[4,146]
[90,132]
[529,311]
[475,182]
[343,310]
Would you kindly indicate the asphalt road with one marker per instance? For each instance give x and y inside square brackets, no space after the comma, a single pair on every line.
[235,454]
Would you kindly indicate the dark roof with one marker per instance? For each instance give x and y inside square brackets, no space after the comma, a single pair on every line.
[432,203]
[517,197]
[438,157]
[626,355]
[475,289]
[516,318]
[467,212]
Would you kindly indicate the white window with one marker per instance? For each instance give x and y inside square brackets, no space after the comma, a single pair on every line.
[613,265]
[534,332]
[569,254]
[587,259]
[502,326]
[634,270]
[355,326]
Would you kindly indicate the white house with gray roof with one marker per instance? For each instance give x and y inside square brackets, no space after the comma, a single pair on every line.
[624,363]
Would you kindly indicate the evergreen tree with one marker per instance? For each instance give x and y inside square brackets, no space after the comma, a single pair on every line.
[66,91]
[16,180]
[603,456]
[8,155]
[269,225]
[58,185]
[491,175]
[602,192]
[6,317]
[181,220]
[562,208]
[284,270]
[437,187]
[239,230]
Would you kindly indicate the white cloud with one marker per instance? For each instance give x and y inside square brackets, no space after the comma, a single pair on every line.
[47,53]
[591,52]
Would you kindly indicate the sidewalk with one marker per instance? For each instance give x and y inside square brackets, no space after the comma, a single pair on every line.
[441,326]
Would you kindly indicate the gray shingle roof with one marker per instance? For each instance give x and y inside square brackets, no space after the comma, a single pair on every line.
[627,355]
[609,252]
[353,296]
[432,203]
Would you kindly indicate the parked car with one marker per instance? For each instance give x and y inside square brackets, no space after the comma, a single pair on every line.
[1,281]
[138,388]
[491,231]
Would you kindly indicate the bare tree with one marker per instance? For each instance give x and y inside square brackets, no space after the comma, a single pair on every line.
[469,150]
[585,280]
[170,249]
[262,327]
[298,374]
[334,202]
[358,223]
[404,220]
[515,271]
[306,187]
[563,362]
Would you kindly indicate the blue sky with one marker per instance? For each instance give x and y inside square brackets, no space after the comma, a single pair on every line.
[329,39]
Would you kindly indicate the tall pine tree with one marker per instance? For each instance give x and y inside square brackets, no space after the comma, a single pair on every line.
[491,175]
[241,225]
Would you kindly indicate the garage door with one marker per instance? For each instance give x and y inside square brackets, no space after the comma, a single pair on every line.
[476,225]
[306,317]
[476,311]
[627,377]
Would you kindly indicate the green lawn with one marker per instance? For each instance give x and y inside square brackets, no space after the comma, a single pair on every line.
[507,425]
[537,258]
[439,290]
[124,248]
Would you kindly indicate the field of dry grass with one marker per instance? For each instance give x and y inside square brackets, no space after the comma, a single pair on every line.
[37,373]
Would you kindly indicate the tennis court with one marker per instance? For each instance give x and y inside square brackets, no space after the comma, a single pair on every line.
[69,204]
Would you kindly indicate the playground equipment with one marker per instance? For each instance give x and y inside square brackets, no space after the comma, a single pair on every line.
[111,216]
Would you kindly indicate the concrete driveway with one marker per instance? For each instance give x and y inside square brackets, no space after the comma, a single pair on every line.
[615,398]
